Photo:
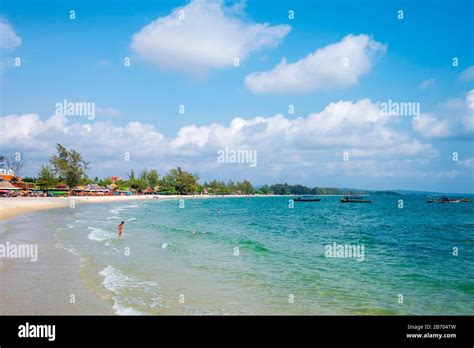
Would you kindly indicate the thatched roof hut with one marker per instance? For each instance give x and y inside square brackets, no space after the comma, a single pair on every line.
[5,185]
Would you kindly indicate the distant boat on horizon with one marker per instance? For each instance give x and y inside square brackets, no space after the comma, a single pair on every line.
[445,199]
[355,199]
[307,198]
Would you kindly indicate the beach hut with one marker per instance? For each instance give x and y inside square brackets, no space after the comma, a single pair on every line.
[148,191]
[7,189]
[79,190]
[112,187]
[5,185]
[98,190]
[23,185]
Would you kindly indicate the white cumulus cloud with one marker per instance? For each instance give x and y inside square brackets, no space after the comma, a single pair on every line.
[305,145]
[334,66]
[203,34]
[454,118]
[9,40]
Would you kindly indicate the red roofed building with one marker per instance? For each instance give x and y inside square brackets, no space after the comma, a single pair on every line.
[6,174]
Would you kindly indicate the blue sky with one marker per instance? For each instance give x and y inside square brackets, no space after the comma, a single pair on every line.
[405,60]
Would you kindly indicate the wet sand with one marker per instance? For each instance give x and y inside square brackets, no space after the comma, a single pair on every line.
[49,286]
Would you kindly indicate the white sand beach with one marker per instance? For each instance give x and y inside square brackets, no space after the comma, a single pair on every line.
[13,206]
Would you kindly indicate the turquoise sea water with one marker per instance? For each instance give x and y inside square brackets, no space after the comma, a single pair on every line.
[259,256]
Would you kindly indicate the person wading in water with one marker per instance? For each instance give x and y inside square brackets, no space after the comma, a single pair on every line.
[120,227]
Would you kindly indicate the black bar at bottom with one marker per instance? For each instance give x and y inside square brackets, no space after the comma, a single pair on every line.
[260,330]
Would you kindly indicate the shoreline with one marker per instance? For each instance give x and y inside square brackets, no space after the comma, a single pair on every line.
[57,273]
[54,277]
[14,206]
[11,207]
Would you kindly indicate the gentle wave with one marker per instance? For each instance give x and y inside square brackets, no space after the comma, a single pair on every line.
[253,245]
[100,235]
[280,249]
[116,282]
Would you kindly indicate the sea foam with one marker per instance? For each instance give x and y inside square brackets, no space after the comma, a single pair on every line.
[117,282]
[99,234]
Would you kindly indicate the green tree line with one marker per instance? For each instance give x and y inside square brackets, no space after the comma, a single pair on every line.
[69,167]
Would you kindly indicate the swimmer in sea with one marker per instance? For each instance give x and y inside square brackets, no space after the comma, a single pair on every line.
[120,227]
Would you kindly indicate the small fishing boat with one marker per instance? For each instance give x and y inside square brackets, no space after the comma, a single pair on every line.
[306,199]
[354,199]
[465,200]
[442,199]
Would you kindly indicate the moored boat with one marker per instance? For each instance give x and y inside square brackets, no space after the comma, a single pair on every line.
[306,199]
[354,199]
[444,199]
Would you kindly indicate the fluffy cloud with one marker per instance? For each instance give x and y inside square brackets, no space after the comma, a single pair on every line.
[100,140]
[467,163]
[9,39]
[303,145]
[341,126]
[334,66]
[427,83]
[454,118]
[209,36]
[468,74]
